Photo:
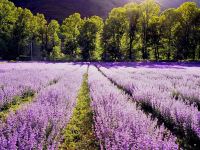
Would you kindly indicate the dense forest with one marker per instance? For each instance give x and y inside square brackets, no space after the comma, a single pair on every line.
[136,31]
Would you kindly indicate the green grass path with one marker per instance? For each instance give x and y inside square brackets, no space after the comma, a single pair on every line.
[79,133]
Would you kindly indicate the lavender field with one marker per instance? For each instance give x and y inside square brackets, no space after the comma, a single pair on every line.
[111,106]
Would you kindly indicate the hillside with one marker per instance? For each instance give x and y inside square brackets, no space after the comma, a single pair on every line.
[54,9]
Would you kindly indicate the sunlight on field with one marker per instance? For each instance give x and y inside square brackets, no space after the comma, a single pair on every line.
[99,75]
[100,105]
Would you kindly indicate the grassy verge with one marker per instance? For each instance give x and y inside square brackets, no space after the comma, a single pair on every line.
[79,133]
[19,101]
[16,104]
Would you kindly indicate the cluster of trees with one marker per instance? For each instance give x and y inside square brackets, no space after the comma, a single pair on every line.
[132,32]
[143,31]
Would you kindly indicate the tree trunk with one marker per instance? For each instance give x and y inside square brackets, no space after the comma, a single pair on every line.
[118,49]
[143,41]
[18,49]
[43,44]
[199,51]
[130,48]
[169,50]
[193,54]
[105,55]
[46,40]
[144,50]
[156,53]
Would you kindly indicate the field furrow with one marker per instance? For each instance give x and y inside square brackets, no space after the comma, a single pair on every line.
[92,106]
[79,133]
[19,85]
[39,124]
[180,118]
[118,122]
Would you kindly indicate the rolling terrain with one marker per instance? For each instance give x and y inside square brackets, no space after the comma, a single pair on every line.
[59,10]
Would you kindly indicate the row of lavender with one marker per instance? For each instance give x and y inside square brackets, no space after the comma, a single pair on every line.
[180,80]
[19,78]
[157,88]
[118,122]
[38,125]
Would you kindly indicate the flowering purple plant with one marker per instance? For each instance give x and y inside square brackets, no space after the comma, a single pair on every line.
[158,88]
[119,124]
[38,125]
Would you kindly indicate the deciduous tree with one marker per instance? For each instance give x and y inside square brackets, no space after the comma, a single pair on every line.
[88,36]
[148,10]
[132,12]
[70,30]
[169,20]
[187,33]
[114,29]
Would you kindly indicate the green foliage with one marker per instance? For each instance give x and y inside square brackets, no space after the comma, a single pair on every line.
[136,31]
[22,32]
[54,42]
[70,30]
[133,14]
[155,35]
[40,24]
[187,33]
[8,17]
[149,9]
[53,30]
[114,29]
[169,22]
[88,37]
[79,132]
[56,53]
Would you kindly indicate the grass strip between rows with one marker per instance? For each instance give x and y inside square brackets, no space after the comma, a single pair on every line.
[16,104]
[79,133]
[189,141]
[188,100]
[20,100]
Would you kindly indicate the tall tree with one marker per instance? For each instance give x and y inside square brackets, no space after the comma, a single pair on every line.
[8,17]
[88,36]
[22,32]
[70,30]
[149,9]
[39,25]
[187,36]
[53,32]
[155,36]
[169,20]
[132,12]
[114,29]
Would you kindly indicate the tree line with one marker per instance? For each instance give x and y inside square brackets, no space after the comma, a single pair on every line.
[136,31]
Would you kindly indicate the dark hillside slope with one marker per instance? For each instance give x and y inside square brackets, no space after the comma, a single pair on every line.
[60,9]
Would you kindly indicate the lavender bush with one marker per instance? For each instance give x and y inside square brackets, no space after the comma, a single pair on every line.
[170,90]
[119,124]
[27,79]
[150,87]
[39,124]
